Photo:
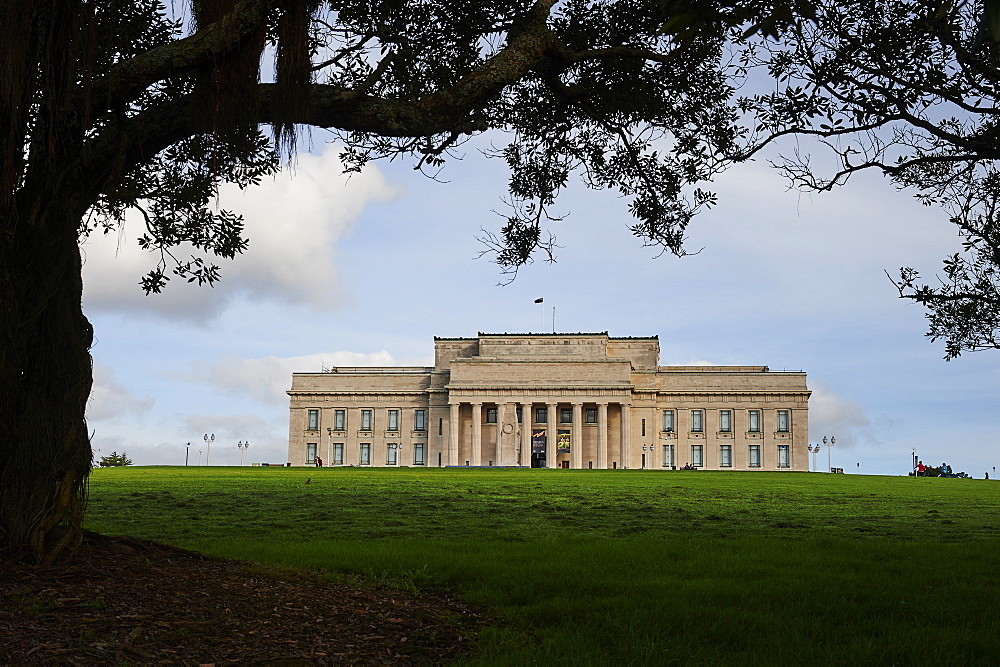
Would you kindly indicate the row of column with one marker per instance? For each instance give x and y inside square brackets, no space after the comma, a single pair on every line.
[523,458]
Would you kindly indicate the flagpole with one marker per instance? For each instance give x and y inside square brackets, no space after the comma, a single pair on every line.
[553,319]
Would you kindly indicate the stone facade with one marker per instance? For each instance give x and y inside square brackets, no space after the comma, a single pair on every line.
[584,400]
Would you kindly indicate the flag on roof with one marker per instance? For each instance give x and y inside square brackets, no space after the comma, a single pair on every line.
[539,300]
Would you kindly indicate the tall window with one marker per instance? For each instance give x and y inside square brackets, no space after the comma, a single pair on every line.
[697,456]
[754,456]
[312,423]
[668,421]
[725,456]
[783,459]
[418,454]
[310,452]
[391,454]
[520,414]
[783,421]
[393,424]
[725,421]
[697,421]
[339,420]
[440,425]
[668,455]
[419,420]
[491,415]
[365,455]
[366,420]
[753,422]
[338,454]
[644,428]
[541,415]
[590,416]
[565,415]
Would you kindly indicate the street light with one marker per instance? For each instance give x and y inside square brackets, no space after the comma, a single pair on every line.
[208,455]
[243,447]
[187,451]
[813,450]
[833,441]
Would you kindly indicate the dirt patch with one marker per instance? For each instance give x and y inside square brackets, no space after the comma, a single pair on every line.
[132,601]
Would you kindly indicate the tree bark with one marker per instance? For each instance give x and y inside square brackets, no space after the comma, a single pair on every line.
[45,379]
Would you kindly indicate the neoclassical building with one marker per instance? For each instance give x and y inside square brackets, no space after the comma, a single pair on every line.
[583,400]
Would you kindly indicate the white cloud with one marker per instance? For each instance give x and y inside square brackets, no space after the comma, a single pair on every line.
[833,415]
[266,379]
[110,399]
[293,222]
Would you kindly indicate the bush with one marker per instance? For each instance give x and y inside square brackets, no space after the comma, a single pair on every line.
[115,459]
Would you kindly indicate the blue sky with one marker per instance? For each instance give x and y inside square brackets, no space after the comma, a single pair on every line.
[368,270]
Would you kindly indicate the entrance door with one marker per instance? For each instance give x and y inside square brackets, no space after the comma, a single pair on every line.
[537,460]
[564,464]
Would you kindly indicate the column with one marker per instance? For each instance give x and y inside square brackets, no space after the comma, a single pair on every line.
[623,456]
[550,434]
[453,426]
[602,435]
[476,458]
[576,438]
[526,421]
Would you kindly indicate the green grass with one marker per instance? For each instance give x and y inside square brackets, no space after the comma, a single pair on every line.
[618,567]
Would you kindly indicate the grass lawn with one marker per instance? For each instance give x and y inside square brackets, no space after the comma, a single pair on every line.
[619,567]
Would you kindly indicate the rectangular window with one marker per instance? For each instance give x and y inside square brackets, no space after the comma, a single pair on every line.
[753,421]
[725,421]
[783,421]
[310,452]
[491,415]
[754,456]
[520,414]
[697,456]
[668,421]
[726,456]
[391,454]
[366,420]
[565,415]
[418,454]
[365,455]
[668,456]
[312,424]
[697,421]
[644,428]
[338,454]
[440,425]
[419,420]
[541,415]
[590,416]
[393,424]
[340,420]
[784,460]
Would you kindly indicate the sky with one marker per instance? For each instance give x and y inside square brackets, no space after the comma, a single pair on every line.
[367,270]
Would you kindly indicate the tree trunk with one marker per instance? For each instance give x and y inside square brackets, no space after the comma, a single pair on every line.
[45,379]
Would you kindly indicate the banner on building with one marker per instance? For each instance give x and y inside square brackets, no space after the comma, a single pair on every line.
[538,441]
[562,441]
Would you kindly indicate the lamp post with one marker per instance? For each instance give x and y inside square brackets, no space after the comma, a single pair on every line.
[187,451]
[243,447]
[398,449]
[833,440]
[208,454]
[813,451]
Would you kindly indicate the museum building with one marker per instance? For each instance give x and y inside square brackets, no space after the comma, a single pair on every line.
[581,400]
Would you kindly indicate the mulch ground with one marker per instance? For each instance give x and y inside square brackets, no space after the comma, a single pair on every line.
[126,601]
